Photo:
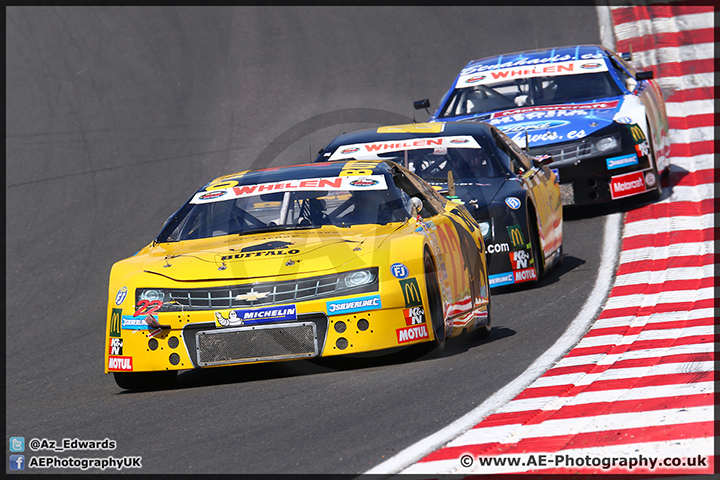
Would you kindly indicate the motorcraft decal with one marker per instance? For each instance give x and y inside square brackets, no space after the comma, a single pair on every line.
[626,185]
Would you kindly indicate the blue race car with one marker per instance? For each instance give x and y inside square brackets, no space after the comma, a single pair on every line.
[515,199]
[603,122]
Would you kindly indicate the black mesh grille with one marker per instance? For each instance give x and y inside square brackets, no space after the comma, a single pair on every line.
[566,153]
[264,342]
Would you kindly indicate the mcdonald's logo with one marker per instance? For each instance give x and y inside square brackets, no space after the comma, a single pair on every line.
[115,321]
[516,237]
[411,292]
[637,133]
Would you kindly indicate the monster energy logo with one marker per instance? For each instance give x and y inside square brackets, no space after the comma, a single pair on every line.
[411,292]
[115,322]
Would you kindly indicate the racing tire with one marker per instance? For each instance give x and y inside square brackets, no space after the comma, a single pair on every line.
[434,300]
[145,380]
[657,193]
[560,256]
[538,261]
[484,331]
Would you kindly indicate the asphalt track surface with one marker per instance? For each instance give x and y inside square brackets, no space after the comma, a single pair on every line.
[115,116]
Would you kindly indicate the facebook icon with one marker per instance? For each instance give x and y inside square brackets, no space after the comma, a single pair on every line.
[17,462]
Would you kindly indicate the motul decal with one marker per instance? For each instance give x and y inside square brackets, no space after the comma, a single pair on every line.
[525,275]
[123,364]
[410,334]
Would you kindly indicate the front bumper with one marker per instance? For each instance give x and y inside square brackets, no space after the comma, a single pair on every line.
[590,182]
[189,339]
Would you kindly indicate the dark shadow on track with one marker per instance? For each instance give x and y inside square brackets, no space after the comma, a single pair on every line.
[552,276]
[276,370]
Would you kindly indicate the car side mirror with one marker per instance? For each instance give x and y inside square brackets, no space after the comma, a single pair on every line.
[645,75]
[420,104]
[417,205]
[542,160]
[631,84]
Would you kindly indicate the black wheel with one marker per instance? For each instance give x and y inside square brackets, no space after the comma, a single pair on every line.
[484,331]
[434,301]
[145,380]
[657,193]
[560,256]
[537,253]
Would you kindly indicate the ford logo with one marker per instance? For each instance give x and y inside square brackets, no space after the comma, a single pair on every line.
[513,202]
[525,126]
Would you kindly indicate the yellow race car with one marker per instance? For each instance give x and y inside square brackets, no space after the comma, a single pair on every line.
[294,263]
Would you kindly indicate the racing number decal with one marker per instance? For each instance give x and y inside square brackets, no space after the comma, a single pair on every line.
[222,185]
[357,168]
[146,307]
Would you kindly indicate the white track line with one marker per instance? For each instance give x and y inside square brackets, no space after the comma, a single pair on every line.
[681,23]
[503,398]
[513,433]
[669,224]
[575,331]
[611,359]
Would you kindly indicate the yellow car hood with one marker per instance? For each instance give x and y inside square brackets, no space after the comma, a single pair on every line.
[232,257]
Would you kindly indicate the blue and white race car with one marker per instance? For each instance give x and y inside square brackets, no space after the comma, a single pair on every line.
[603,122]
